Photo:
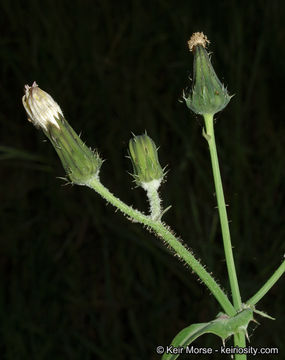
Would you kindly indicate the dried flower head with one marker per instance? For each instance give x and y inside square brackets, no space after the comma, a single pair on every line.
[198,38]
[42,110]
[79,161]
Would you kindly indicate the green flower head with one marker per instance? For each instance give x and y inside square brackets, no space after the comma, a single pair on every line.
[143,154]
[208,94]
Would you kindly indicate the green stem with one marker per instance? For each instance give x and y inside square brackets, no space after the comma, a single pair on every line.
[239,340]
[268,285]
[210,136]
[166,234]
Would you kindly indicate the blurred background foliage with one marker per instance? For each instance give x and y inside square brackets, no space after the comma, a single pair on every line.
[79,281]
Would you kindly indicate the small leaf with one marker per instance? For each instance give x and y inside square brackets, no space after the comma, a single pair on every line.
[223,326]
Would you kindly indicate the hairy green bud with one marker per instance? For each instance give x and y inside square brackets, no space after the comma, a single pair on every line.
[80,162]
[143,154]
[208,95]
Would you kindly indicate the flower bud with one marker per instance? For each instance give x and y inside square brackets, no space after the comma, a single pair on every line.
[208,95]
[143,154]
[80,162]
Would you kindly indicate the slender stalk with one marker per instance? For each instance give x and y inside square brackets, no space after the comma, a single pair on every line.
[239,339]
[268,285]
[210,136]
[151,189]
[165,233]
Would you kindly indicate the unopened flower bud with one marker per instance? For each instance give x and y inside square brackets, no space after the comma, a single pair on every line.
[208,95]
[143,154]
[80,162]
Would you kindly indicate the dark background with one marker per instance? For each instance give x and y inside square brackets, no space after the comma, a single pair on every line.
[79,281]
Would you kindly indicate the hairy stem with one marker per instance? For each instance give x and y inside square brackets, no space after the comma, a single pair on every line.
[166,234]
[151,189]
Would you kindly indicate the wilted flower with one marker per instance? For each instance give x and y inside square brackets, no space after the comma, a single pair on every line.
[42,110]
[80,162]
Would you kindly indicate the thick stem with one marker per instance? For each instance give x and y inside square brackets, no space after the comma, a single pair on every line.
[268,285]
[210,136]
[239,340]
[165,233]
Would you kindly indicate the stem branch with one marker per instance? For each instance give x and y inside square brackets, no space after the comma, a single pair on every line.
[151,189]
[165,233]
[239,339]
[268,285]
[210,136]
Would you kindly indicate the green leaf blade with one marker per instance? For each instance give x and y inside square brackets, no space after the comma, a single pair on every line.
[223,326]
